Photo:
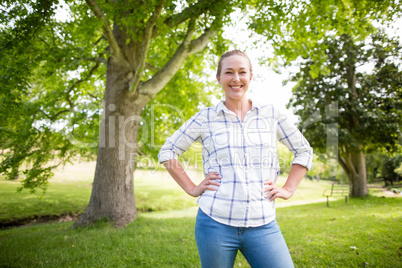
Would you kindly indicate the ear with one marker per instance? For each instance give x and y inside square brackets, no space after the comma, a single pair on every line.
[219,79]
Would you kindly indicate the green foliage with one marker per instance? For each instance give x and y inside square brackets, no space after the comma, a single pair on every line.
[183,96]
[52,78]
[368,104]
[348,106]
[50,97]
[285,158]
[398,170]
[389,171]
[298,29]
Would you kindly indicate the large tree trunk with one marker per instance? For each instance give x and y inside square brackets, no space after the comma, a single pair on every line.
[359,178]
[112,195]
[354,165]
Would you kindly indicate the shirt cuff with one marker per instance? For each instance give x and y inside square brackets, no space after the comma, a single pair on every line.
[166,155]
[303,162]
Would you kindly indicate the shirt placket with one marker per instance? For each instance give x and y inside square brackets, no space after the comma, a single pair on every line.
[244,169]
[245,165]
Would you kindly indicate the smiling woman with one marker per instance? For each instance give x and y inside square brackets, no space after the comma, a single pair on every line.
[239,152]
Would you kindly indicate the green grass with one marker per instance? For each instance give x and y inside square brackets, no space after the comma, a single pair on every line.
[69,191]
[144,243]
[365,232]
[60,198]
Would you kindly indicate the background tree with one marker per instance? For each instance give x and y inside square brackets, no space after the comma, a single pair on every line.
[390,172]
[138,45]
[369,102]
[326,39]
[25,133]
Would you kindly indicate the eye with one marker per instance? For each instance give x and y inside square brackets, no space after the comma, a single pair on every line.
[228,72]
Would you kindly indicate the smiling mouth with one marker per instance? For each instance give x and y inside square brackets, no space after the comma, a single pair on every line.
[236,87]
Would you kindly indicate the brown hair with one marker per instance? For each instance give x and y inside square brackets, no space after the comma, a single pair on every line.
[227,54]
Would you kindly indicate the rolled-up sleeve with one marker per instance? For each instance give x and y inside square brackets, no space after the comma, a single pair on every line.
[182,139]
[291,137]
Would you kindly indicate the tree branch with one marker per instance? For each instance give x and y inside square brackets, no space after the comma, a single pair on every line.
[79,81]
[187,48]
[193,11]
[146,41]
[106,28]
[59,113]
[93,96]
[99,58]
[343,164]
[151,67]
[349,164]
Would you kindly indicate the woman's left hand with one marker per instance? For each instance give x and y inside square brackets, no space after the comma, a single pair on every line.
[273,191]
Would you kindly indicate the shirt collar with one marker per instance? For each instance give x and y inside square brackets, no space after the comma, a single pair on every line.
[221,107]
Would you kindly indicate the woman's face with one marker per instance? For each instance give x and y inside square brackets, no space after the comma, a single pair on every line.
[235,77]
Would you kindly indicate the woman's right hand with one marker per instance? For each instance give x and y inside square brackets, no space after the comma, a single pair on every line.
[207,184]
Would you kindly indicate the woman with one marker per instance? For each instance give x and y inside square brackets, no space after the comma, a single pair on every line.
[241,167]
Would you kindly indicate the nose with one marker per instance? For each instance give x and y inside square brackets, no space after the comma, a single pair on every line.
[236,77]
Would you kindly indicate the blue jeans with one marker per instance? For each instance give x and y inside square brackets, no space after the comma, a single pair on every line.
[218,244]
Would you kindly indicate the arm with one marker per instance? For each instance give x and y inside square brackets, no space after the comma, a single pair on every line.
[176,170]
[272,191]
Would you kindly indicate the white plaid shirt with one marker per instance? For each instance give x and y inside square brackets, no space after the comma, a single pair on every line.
[244,154]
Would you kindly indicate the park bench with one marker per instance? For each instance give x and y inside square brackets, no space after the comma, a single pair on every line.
[337,190]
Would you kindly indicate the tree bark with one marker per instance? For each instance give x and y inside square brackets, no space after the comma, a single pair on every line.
[112,195]
[354,165]
[359,179]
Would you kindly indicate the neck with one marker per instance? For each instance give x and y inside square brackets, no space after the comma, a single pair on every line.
[239,107]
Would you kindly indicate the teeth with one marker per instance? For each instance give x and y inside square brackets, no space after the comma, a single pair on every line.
[236,86]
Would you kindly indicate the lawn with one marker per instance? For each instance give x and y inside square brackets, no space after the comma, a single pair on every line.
[366,232]
[69,192]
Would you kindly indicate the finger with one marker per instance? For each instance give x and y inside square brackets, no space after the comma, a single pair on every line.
[211,188]
[268,194]
[217,183]
[278,194]
[268,189]
[209,181]
[272,194]
[273,197]
[213,176]
[268,182]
